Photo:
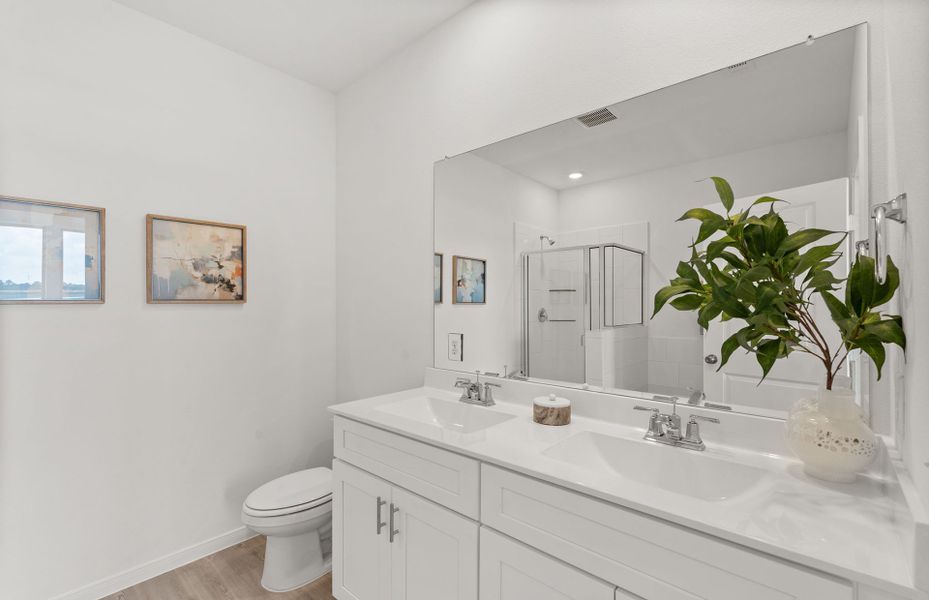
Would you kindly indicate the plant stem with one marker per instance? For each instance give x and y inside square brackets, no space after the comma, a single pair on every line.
[813,333]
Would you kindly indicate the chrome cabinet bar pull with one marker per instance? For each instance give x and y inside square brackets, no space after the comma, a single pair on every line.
[380,524]
[393,532]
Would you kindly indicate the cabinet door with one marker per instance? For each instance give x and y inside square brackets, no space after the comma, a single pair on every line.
[360,550]
[512,571]
[433,553]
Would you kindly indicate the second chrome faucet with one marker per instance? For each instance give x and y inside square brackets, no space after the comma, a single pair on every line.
[472,392]
[666,428]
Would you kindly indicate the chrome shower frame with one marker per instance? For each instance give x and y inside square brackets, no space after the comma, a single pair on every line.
[588,310]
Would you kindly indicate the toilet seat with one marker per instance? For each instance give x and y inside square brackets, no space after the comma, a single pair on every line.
[294,493]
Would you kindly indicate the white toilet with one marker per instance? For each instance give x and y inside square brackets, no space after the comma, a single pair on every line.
[295,513]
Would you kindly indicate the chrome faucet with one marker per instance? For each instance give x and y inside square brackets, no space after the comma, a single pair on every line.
[474,392]
[696,396]
[666,429]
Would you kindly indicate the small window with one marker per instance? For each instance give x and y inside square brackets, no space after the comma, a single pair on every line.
[50,252]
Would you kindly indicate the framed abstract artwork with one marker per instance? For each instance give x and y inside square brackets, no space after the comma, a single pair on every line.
[437,277]
[469,280]
[194,262]
[51,252]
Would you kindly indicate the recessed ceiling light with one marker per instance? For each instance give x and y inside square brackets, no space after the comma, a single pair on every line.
[575,175]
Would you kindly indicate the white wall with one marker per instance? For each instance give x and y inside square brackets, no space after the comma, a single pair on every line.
[903,85]
[129,431]
[480,204]
[493,72]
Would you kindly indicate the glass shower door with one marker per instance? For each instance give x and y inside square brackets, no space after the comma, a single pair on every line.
[555,305]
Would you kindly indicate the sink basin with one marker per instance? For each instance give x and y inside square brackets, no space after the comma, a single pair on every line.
[449,415]
[677,470]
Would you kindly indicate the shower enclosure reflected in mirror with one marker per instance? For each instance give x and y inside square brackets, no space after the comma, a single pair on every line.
[578,224]
[573,300]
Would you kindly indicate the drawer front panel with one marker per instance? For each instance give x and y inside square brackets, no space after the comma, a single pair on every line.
[512,571]
[645,556]
[444,477]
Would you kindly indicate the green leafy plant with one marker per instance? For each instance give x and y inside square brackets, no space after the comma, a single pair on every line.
[751,268]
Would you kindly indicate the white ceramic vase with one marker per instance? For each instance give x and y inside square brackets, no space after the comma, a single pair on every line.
[829,435]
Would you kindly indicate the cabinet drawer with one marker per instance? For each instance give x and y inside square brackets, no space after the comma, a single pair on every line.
[511,571]
[450,479]
[645,556]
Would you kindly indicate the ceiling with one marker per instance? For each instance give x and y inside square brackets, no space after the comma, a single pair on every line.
[328,43]
[799,92]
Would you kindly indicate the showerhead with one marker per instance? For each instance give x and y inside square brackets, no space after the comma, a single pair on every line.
[545,238]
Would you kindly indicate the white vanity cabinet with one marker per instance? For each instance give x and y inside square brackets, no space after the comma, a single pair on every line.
[392,544]
[466,529]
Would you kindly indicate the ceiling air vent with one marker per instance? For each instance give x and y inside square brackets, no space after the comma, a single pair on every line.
[739,67]
[596,117]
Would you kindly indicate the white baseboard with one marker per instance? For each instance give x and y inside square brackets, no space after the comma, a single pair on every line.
[143,572]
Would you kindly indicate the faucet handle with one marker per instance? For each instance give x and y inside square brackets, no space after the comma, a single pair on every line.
[462,382]
[654,422]
[488,396]
[672,399]
[692,435]
[695,418]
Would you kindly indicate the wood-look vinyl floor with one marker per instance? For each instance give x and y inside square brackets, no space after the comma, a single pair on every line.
[231,574]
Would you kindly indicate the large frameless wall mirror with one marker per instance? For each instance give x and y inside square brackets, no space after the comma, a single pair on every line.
[577,223]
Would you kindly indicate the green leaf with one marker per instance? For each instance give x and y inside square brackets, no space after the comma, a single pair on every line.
[688,302]
[815,255]
[775,230]
[685,271]
[766,200]
[835,306]
[708,313]
[767,353]
[708,228]
[725,192]
[801,238]
[668,292]
[888,331]
[754,236]
[885,291]
[756,273]
[729,346]
[767,293]
[861,285]
[733,260]
[701,214]
[731,306]
[714,248]
[873,347]
[823,280]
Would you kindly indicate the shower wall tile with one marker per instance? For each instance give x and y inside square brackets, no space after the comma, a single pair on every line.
[674,364]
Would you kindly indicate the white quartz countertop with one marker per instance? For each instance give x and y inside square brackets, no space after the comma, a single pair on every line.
[853,531]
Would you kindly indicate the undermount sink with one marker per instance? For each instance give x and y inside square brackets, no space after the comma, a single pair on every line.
[449,415]
[677,470]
